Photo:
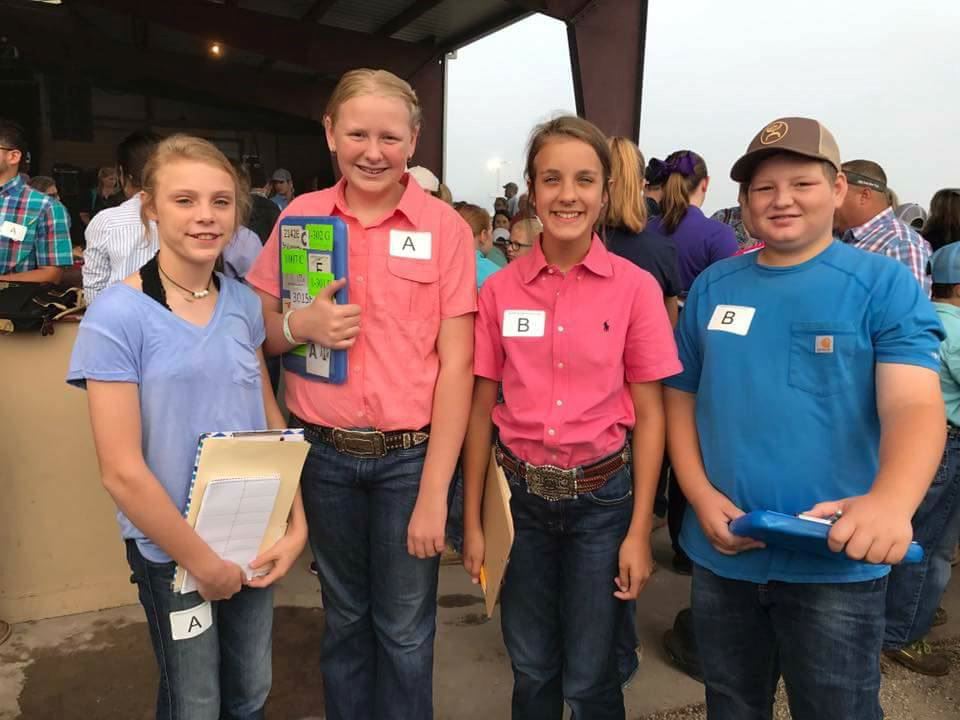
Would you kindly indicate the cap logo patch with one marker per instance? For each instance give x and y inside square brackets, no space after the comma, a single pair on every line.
[774,132]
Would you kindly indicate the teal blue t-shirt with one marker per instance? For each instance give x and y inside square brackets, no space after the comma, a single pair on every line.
[485,268]
[950,360]
[782,362]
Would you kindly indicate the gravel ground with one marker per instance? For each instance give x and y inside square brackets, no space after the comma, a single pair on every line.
[904,695]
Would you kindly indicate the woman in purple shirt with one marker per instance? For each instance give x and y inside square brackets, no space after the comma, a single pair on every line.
[700,241]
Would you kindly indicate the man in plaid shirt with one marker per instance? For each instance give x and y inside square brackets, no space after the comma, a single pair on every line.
[866,220]
[34,229]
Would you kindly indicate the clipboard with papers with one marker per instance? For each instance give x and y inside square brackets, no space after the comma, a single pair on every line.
[497,523]
[802,533]
[241,492]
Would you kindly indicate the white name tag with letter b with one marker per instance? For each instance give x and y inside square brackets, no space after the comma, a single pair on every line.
[12,230]
[524,323]
[414,245]
[186,624]
[734,319]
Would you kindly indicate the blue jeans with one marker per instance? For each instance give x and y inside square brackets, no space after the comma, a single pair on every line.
[380,601]
[914,591]
[223,673]
[559,616]
[824,638]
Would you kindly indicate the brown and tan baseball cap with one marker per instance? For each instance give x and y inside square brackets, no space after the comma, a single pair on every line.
[803,136]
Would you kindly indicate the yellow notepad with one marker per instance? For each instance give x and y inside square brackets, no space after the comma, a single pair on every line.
[248,457]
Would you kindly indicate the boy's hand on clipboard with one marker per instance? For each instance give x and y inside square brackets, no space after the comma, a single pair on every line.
[222,582]
[871,527]
[278,558]
[325,323]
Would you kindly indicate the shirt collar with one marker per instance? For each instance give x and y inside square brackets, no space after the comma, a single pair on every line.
[597,260]
[882,218]
[13,185]
[411,203]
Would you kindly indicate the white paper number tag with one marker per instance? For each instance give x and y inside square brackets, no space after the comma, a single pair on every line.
[318,360]
[191,623]
[415,245]
[734,319]
[524,323]
[13,231]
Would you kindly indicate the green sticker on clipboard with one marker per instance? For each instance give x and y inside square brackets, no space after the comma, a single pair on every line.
[316,281]
[320,237]
[293,261]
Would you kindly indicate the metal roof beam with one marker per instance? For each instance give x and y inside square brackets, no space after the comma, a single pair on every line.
[399,21]
[328,50]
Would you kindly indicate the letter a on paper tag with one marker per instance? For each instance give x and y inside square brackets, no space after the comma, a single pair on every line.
[186,624]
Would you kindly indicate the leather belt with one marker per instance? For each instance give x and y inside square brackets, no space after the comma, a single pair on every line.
[365,443]
[554,483]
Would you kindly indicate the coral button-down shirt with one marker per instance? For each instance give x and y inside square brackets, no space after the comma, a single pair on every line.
[393,367]
[565,346]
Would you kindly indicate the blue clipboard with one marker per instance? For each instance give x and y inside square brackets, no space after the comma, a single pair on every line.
[312,254]
[796,533]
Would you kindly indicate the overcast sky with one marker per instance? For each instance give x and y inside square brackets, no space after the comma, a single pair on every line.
[883,76]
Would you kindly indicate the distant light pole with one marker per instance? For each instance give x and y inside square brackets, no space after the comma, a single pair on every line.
[493,165]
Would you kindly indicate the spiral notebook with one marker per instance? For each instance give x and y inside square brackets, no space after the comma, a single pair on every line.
[241,492]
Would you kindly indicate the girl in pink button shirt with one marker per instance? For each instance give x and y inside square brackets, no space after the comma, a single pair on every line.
[376,511]
[579,339]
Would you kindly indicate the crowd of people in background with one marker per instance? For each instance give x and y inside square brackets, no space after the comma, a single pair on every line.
[611,260]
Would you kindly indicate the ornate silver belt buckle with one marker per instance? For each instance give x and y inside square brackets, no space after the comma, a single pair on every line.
[551,482]
[360,443]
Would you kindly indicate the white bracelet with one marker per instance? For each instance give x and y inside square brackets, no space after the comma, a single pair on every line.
[286,328]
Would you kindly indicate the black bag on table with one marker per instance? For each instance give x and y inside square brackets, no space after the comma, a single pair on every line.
[35,306]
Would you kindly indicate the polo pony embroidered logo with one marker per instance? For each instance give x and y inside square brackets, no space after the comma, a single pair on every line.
[823,344]
[606,326]
[774,132]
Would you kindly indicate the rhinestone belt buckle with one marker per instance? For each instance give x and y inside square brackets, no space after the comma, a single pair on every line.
[362,444]
[551,482]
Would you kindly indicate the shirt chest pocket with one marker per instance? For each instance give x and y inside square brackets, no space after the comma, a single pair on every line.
[26,248]
[822,357]
[411,288]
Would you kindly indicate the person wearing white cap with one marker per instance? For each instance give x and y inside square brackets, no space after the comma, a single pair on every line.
[914,591]
[282,182]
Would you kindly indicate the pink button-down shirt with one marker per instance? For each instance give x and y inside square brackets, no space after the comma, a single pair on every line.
[393,367]
[565,345]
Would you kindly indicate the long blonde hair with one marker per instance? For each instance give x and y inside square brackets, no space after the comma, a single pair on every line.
[367,81]
[679,186]
[625,207]
[188,147]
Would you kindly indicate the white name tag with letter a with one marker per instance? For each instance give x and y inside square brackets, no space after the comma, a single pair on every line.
[12,230]
[414,245]
[186,624]
[524,323]
[734,319]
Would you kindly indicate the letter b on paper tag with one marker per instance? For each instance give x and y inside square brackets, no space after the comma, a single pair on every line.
[186,624]
[524,323]
[734,319]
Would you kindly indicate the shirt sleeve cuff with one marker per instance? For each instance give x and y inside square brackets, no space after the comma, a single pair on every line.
[651,373]
[914,358]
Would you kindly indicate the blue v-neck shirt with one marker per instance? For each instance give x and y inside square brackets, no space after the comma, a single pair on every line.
[191,379]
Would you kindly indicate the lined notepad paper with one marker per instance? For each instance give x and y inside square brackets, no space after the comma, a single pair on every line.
[233,518]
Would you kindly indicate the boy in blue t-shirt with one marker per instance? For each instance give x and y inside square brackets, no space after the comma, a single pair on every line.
[842,415]
[914,591]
